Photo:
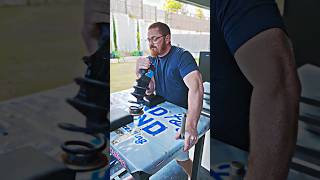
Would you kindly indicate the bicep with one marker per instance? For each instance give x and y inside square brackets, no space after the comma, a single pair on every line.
[193,80]
[267,60]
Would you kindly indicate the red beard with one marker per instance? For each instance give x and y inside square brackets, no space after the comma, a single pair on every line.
[153,52]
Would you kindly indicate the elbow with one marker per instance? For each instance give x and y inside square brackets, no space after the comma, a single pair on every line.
[200,88]
[289,88]
[292,85]
[282,80]
[289,74]
[197,91]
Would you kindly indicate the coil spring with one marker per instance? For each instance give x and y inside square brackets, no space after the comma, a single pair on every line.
[93,102]
[82,155]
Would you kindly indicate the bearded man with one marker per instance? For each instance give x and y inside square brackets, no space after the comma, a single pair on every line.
[178,80]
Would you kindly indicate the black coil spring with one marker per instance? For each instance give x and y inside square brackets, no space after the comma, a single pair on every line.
[92,101]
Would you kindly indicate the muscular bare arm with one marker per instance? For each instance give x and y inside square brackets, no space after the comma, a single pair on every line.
[267,61]
[193,81]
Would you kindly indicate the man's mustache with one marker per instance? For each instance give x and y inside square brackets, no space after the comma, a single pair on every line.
[152,47]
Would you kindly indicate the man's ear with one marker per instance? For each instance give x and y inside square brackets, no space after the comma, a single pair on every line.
[168,39]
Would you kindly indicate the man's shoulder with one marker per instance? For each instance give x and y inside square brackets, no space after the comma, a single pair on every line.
[181,53]
[179,50]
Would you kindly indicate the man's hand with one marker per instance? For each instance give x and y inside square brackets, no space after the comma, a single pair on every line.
[151,87]
[190,137]
[142,63]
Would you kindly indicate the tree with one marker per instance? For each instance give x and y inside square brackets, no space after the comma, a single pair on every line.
[115,53]
[114,34]
[199,13]
[138,36]
[172,6]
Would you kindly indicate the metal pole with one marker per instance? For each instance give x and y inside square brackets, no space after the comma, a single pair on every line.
[197,158]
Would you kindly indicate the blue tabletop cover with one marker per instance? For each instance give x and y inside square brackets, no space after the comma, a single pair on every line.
[155,145]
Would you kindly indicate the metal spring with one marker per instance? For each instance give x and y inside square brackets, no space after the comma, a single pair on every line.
[82,155]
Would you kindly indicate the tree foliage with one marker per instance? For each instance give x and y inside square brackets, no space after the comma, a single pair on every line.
[138,36]
[114,34]
[172,6]
[199,13]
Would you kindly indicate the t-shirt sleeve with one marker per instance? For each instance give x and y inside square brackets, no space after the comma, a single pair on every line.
[187,64]
[240,20]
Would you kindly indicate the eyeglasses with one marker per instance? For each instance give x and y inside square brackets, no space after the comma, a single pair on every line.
[154,39]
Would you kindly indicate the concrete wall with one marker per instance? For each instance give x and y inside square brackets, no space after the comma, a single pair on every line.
[192,42]
[135,9]
[127,41]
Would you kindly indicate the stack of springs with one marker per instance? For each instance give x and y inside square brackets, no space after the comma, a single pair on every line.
[139,92]
[92,101]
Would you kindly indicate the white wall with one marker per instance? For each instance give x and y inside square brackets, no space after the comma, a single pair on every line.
[127,41]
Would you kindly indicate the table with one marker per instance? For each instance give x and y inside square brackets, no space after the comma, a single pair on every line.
[144,153]
[307,155]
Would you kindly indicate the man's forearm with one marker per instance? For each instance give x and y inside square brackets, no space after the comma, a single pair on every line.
[273,129]
[193,81]
[194,107]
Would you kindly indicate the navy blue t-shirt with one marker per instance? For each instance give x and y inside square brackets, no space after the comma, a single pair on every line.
[234,22]
[169,73]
